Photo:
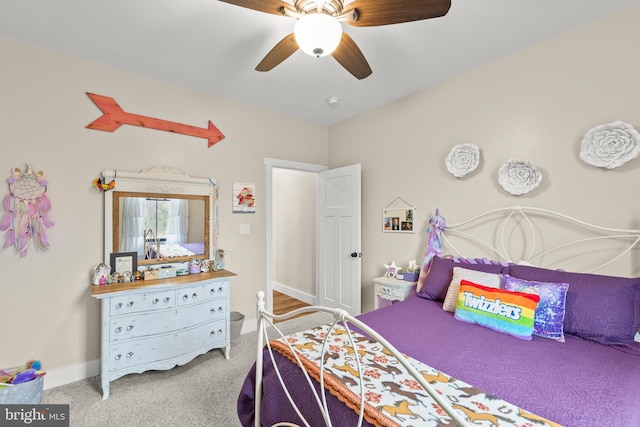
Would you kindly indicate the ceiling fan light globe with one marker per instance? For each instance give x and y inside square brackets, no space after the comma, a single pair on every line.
[318,34]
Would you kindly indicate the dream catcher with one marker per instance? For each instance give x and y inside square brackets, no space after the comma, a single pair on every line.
[27,210]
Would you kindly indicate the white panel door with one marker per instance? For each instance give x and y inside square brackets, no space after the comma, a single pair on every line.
[339,252]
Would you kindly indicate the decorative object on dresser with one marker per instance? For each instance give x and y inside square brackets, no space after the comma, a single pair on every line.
[610,145]
[462,159]
[519,177]
[389,290]
[159,324]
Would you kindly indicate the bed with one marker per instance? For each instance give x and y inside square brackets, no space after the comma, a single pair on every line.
[175,250]
[579,365]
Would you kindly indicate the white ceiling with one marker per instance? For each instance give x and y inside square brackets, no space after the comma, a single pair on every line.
[213,47]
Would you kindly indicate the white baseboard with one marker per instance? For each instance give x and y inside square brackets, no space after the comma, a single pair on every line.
[69,374]
[299,295]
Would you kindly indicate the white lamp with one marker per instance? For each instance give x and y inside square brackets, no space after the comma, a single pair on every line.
[318,34]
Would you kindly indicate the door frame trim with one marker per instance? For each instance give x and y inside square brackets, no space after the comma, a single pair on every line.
[271,164]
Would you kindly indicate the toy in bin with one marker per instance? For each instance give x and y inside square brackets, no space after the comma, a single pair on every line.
[22,385]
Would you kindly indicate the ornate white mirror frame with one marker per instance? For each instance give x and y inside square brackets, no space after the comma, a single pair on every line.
[159,181]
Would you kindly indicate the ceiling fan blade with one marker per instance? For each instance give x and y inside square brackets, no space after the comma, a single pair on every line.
[348,54]
[372,13]
[267,6]
[279,53]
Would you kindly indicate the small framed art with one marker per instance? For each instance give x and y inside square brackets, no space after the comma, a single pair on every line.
[124,261]
[398,220]
[244,198]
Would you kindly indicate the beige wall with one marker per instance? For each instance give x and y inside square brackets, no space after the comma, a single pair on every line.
[47,311]
[535,105]
[294,230]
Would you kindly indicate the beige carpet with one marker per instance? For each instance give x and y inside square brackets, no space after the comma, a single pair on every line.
[201,393]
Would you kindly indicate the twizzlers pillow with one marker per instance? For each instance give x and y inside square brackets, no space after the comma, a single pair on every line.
[504,311]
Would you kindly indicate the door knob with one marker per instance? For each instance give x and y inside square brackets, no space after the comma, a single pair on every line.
[356,255]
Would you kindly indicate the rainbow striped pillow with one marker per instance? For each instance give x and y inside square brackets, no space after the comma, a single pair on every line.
[504,311]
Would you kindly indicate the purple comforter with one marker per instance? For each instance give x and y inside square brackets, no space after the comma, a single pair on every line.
[577,383]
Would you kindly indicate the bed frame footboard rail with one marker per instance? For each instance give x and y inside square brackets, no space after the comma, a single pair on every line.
[265,320]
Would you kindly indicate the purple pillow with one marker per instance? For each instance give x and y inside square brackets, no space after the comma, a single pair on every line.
[441,272]
[605,309]
[549,315]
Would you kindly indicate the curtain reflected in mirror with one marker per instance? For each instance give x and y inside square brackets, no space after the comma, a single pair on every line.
[162,228]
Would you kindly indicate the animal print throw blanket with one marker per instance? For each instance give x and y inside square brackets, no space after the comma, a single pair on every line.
[393,398]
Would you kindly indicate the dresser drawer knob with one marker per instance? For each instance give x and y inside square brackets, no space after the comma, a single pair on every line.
[130,354]
[219,331]
[167,299]
[220,289]
[195,295]
[118,330]
[129,328]
[119,305]
[212,333]
[155,301]
[220,309]
[118,357]
[212,291]
[185,297]
[130,304]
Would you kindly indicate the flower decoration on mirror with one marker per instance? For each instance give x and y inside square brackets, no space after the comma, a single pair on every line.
[102,185]
[519,177]
[27,209]
[462,159]
[610,145]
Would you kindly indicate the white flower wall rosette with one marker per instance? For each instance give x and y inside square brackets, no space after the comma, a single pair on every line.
[611,145]
[462,159]
[519,177]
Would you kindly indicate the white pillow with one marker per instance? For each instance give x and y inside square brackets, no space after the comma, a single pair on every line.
[491,280]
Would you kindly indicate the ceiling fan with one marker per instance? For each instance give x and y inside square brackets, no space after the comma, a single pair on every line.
[318,31]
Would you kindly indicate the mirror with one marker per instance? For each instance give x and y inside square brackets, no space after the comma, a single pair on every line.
[161,214]
[161,227]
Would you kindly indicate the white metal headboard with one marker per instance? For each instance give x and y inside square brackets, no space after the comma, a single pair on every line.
[528,235]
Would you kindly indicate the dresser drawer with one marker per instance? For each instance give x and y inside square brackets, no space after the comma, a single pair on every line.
[203,292]
[389,291]
[145,350]
[145,324]
[159,300]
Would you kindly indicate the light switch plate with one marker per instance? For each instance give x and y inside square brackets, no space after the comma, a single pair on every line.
[245,229]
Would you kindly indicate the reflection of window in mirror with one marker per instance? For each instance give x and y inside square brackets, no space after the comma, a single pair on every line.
[162,226]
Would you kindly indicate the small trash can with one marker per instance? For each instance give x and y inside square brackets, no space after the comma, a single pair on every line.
[236,327]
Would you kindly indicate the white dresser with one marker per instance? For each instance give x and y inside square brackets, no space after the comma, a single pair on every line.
[158,324]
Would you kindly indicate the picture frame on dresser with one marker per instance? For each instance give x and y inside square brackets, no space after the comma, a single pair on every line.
[123,261]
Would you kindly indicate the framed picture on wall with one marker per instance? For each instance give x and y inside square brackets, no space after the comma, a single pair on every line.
[124,261]
[395,220]
[244,198]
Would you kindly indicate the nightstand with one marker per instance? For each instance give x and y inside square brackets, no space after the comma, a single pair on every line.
[389,291]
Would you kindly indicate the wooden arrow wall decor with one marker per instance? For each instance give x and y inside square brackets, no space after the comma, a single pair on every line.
[113,117]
